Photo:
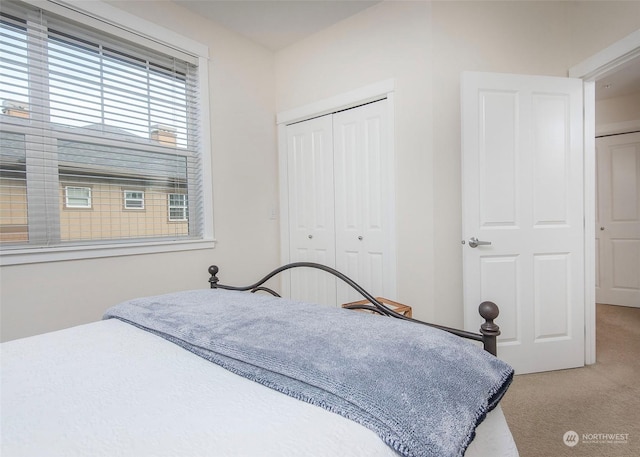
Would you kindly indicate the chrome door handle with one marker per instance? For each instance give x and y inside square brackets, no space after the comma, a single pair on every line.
[475,242]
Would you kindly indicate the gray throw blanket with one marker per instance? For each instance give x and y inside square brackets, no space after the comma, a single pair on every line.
[422,390]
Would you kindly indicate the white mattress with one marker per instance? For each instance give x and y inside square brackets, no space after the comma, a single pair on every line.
[110,389]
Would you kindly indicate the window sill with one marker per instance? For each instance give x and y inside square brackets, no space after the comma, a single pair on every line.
[42,255]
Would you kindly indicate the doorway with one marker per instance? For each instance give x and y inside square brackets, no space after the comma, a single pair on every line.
[605,63]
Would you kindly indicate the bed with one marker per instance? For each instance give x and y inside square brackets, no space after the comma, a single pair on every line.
[287,379]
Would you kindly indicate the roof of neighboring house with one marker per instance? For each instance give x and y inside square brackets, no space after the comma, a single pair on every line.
[86,157]
[11,148]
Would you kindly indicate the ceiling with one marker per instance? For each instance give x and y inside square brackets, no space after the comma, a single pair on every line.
[276,24]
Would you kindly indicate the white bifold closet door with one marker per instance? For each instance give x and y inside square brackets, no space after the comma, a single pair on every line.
[340,192]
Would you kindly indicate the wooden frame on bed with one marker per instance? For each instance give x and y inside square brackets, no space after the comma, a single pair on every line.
[489,311]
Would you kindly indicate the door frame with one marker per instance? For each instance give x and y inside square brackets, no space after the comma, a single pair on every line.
[360,96]
[599,65]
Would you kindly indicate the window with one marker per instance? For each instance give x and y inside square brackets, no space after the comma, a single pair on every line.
[178,208]
[100,118]
[77,197]
[133,199]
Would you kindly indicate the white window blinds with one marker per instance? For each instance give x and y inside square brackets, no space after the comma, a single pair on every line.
[89,118]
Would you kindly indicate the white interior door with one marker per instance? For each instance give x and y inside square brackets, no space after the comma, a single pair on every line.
[364,183]
[522,176]
[311,208]
[618,220]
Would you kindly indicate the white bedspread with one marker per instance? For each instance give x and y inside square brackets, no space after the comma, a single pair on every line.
[143,396]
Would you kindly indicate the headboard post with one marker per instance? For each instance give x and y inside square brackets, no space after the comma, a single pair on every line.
[213,280]
[489,330]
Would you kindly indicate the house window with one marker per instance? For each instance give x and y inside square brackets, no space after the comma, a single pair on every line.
[77,197]
[99,108]
[133,199]
[178,208]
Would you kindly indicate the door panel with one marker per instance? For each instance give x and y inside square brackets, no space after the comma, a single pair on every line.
[618,220]
[311,212]
[499,274]
[522,191]
[551,301]
[551,159]
[363,180]
[496,161]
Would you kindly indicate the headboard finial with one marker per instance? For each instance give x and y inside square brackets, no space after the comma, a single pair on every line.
[488,310]
[213,280]
[489,329]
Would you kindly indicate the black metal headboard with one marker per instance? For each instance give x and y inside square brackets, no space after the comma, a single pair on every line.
[489,331]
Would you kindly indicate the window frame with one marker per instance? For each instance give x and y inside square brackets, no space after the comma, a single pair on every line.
[111,19]
[183,207]
[127,200]
[67,205]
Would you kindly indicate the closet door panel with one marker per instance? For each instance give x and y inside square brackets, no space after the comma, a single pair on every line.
[310,171]
[363,200]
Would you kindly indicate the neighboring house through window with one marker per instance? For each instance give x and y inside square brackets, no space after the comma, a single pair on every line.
[93,120]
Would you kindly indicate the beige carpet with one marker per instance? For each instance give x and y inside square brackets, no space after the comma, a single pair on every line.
[600,402]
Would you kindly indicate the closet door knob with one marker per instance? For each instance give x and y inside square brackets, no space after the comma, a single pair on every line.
[360,237]
[310,236]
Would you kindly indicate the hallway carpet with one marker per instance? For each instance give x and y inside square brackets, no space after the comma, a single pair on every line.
[600,402]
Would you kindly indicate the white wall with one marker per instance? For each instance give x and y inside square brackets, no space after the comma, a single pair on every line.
[618,110]
[389,40]
[49,296]
[425,46]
